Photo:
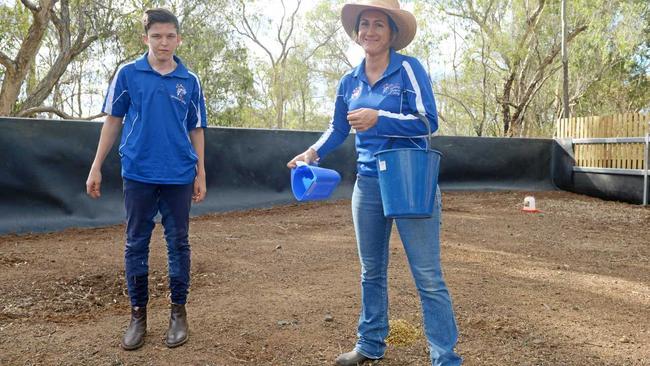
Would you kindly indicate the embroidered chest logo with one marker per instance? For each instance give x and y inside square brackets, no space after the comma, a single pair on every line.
[180,92]
[356,93]
[392,89]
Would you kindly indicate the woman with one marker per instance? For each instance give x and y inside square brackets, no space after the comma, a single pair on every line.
[385,99]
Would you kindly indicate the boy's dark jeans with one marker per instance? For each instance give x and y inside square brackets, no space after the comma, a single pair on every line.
[143,201]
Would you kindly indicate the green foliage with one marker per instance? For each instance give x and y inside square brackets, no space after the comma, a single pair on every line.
[470,47]
[217,59]
[330,61]
[14,22]
[607,69]
[618,58]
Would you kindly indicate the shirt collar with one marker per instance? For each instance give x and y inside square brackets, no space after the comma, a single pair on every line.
[394,64]
[142,64]
[359,72]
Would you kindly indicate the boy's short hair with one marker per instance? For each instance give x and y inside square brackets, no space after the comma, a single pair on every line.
[159,15]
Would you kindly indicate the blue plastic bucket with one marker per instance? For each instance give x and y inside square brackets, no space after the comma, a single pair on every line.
[408,180]
[312,183]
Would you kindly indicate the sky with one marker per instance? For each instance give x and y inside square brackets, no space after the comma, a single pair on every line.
[273,10]
[355,53]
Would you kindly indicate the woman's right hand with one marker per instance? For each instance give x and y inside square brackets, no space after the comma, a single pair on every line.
[309,156]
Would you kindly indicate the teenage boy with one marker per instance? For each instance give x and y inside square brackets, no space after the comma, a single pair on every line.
[160,105]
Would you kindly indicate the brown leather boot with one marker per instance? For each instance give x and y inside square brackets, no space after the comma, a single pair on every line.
[134,335]
[177,333]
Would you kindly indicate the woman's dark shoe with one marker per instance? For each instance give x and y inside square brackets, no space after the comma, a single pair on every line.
[352,358]
[134,335]
[178,329]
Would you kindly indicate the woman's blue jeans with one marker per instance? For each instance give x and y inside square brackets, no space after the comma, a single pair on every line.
[143,201]
[421,240]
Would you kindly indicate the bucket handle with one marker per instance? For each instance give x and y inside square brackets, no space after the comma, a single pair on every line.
[302,163]
[424,119]
[427,141]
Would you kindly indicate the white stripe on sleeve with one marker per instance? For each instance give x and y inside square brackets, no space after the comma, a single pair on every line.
[197,107]
[198,115]
[326,135]
[321,141]
[416,87]
[382,113]
[108,109]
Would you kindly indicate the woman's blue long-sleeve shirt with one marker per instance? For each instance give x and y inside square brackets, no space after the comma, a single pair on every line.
[402,96]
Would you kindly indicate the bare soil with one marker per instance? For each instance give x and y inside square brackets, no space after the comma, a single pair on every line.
[568,286]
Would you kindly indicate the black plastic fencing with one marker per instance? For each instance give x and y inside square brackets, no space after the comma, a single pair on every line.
[44,165]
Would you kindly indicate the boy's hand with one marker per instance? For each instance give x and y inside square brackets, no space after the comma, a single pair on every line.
[309,156]
[200,188]
[94,183]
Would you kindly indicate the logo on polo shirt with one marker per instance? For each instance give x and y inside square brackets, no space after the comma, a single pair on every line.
[180,92]
[356,93]
[392,89]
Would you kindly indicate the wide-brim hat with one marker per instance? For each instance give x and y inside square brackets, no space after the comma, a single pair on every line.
[404,20]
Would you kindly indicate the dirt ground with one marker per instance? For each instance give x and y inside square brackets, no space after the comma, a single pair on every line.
[569,286]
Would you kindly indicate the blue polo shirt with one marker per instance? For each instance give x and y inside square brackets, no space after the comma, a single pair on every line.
[158,112]
[402,96]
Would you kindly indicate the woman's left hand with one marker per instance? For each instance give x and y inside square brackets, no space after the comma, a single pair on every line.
[362,119]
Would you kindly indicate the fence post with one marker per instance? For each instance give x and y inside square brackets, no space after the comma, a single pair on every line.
[645,169]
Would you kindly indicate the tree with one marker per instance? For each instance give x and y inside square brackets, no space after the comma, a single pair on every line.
[522,49]
[619,61]
[504,72]
[77,26]
[248,26]
[275,82]
[220,60]
[330,61]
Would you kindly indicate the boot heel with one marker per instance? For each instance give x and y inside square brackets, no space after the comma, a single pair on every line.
[178,331]
[135,333]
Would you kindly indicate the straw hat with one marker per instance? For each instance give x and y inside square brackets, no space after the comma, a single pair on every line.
[404,20]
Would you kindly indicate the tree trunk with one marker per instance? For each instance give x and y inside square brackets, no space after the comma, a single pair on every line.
[279,105]
[9,92]
[303,98]
[280,97]
[46,84]
[79,91]
[505,104]
[17,70]
[68,50]
[479,129]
